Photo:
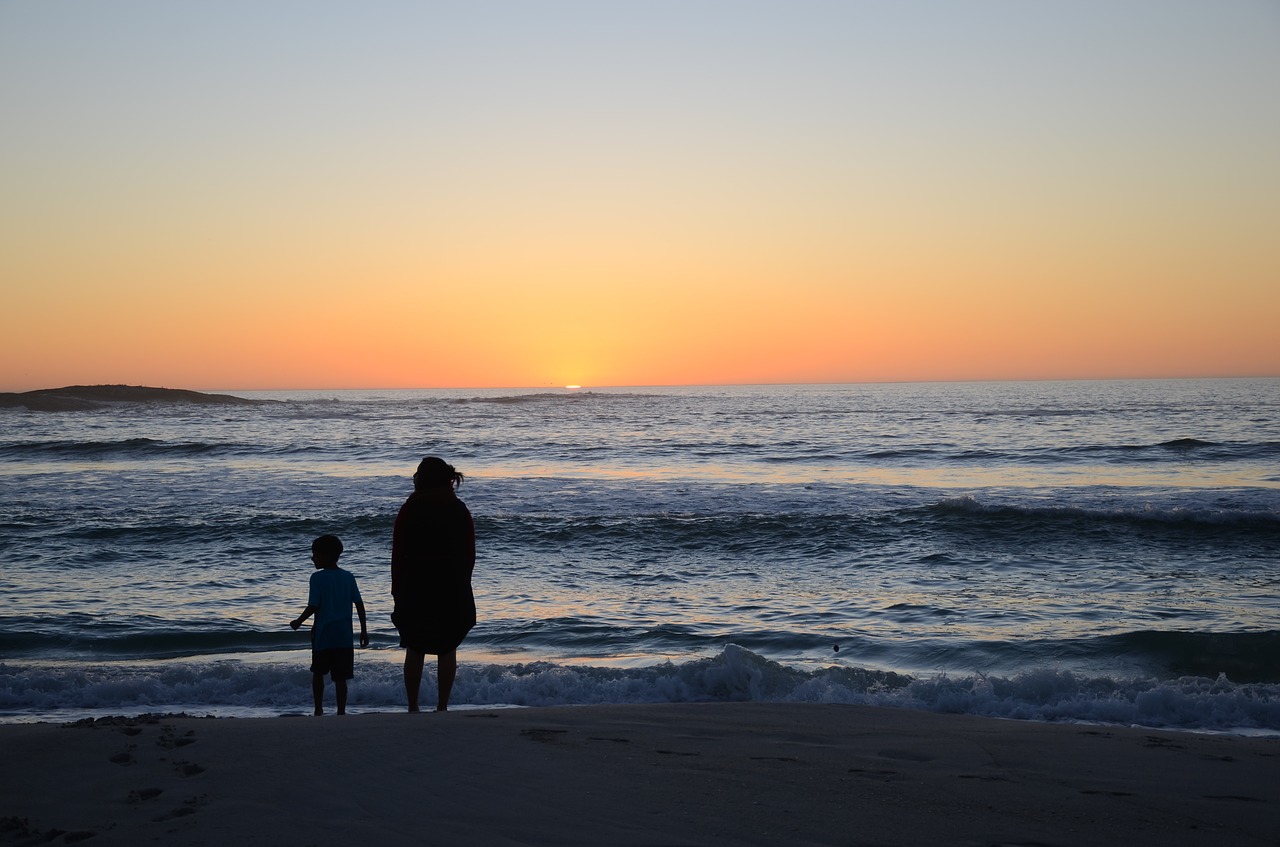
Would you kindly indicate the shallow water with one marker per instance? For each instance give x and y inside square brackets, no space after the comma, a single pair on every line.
[1092,550]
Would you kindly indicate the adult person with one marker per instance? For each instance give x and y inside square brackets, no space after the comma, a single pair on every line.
[433,552]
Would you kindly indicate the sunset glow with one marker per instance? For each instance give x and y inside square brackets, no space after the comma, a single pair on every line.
[309,195]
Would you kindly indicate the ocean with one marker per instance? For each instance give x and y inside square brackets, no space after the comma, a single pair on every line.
[1057,551]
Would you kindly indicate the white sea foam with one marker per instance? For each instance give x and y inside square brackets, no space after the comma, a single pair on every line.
[234,687]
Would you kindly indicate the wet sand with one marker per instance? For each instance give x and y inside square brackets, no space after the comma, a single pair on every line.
[696,774]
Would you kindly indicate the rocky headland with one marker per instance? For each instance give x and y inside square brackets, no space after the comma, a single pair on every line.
[76,398]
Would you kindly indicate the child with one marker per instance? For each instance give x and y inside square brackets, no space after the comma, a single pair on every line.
[332,593]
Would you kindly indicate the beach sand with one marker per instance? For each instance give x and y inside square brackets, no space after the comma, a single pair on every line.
[691,774]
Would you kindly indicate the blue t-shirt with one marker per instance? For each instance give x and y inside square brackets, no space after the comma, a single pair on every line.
[333,592]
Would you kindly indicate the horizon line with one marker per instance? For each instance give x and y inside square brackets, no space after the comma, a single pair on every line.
[589,387]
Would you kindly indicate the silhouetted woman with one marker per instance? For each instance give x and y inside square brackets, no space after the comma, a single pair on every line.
[433,551]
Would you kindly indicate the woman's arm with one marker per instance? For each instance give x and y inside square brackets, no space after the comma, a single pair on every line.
[397,551]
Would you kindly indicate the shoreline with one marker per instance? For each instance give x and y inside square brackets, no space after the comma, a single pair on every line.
[271,684]
[114,716]
[662,774]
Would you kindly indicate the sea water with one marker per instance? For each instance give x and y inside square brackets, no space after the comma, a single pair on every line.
[1087,551]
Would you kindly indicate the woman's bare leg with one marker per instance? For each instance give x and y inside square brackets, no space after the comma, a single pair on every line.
[446,672]
[412,676]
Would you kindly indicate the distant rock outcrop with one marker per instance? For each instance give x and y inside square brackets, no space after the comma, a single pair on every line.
[75,398]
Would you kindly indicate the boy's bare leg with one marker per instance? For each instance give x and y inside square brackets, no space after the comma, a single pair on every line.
[446,672]
[412,676]
[340,691]
[317,691]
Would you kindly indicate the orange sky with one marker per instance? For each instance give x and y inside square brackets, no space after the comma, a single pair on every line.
[316,195]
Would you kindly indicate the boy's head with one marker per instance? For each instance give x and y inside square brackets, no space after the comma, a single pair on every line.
[325,551]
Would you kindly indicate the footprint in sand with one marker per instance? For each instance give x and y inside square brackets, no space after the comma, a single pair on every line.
[138,795]
[170,740]
[188,807]
[125,758]
[20,828]
[187,768]
[180,812]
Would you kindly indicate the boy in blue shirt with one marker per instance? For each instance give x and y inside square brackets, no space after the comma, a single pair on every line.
[332,593]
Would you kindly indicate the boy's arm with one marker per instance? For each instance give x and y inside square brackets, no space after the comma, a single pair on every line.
[306,613]
[364,626]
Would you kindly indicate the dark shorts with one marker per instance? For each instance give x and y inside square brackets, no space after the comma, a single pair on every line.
[339,663]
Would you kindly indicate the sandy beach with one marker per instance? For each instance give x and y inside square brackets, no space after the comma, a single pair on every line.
[750,773]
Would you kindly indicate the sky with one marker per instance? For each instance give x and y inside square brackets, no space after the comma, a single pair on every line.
[288,195]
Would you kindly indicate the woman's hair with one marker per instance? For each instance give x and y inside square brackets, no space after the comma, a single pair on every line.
[434,472]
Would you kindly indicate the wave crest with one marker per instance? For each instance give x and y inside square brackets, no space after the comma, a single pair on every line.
[734,675]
